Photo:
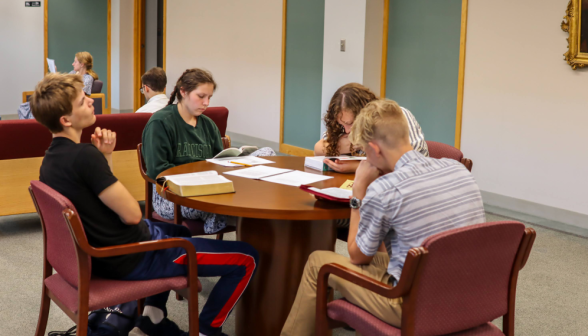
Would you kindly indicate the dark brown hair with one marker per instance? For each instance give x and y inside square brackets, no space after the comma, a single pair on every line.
[155,79]
[53,99]
[352,96]
[189,81]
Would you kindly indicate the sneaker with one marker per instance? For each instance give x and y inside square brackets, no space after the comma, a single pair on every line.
[144,327]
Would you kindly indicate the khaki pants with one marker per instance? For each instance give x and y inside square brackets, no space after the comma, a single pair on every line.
[301,321]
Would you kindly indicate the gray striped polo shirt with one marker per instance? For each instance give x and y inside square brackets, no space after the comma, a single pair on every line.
[421,197]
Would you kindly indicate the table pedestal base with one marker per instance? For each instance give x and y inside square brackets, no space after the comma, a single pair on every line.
[284,247]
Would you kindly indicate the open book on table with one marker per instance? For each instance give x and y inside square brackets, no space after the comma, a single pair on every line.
[331,194]
[197,184]
[234,152]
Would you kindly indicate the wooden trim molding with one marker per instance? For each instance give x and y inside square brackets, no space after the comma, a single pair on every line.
[282,89]
[139,50]
[164,32]
[461,75]
[108,50]
[296,151]
[46,37]
[384,49]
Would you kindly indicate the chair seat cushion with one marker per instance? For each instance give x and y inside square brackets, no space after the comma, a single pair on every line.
[106,292]
[367,324]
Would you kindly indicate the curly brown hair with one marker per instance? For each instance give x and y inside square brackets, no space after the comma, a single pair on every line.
[352,96]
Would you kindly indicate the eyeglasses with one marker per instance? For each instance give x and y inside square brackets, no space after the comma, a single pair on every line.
[143,90]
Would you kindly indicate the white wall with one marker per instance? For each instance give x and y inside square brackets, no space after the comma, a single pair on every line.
[241,44]
[21,52]
[115,55]
[344,20]
[525,110]
[121,55]
[372,59]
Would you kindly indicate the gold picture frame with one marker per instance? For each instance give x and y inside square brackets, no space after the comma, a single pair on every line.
[577,54]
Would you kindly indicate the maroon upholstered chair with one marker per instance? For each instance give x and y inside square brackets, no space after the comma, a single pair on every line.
[456,282]
[196,227]
[440,150]
[220,116]
[73,288]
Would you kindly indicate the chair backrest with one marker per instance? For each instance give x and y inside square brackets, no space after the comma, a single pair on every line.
[99,102]
[439,150]
[97,86]
[26,95]
[220,116]
[60,247]
[464,281]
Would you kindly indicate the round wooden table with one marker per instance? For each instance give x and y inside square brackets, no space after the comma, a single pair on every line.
[284,224]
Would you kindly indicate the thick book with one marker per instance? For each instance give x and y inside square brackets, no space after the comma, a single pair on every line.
[197,184]
[330,194]
[317,162]
[234,152]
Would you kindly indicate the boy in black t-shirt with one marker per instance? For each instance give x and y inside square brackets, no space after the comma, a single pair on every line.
[111,216]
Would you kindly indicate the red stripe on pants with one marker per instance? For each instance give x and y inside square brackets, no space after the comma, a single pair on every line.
[238,259]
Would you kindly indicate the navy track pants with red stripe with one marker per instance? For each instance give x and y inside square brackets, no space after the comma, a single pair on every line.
[234,261]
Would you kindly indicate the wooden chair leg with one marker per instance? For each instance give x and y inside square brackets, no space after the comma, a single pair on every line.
[82,329]
[220,236]
[179,297]
[43,313]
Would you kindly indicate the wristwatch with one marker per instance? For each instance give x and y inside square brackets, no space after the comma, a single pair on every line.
[354,203]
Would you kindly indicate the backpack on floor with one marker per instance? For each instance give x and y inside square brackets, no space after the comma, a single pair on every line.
[111,321]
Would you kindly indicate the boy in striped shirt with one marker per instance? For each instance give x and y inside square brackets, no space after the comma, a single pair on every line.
[400,197]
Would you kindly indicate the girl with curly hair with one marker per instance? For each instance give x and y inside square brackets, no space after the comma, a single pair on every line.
[344,107]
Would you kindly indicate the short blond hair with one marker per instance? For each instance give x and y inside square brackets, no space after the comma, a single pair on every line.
[53,98]
[382,120]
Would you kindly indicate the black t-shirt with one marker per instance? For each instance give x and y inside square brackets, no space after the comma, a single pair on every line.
[80,173]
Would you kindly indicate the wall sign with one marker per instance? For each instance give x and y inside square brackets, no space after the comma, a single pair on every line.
[32,3]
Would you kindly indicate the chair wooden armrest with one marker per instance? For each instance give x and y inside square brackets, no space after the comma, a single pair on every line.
[323,323]
[467,163]
[123,249]
[526,245]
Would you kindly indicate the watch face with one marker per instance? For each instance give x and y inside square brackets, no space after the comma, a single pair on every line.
[354,203]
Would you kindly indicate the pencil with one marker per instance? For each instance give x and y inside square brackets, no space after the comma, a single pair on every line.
[242,164]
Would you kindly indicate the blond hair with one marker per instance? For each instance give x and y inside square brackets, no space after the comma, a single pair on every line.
[53,99]
[86,59]
[382,120]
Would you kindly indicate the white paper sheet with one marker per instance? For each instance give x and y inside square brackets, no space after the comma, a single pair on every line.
[250,160]
[257,172]
[296,178]
[51,65]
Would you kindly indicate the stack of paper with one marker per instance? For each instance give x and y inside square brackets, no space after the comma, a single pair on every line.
[296,178]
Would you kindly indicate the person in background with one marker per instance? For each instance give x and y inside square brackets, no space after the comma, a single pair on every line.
[344,107]
[400,197]
[82,172]
[153,84]
[82,65]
